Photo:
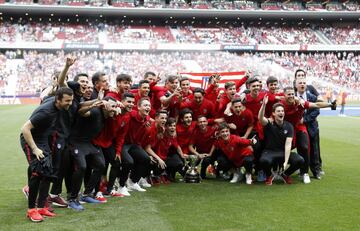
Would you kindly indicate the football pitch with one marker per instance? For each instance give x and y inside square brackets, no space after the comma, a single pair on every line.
[331,203]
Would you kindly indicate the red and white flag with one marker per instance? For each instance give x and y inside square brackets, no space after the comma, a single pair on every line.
[202,79]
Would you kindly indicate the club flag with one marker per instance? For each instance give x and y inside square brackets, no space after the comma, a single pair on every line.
[202,79]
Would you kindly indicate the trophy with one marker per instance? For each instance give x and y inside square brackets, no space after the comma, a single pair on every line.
[192,175]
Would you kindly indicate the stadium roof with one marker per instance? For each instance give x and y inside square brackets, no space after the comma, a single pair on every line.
[180,13]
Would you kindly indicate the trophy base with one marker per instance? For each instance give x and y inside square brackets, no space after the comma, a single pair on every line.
[192,179]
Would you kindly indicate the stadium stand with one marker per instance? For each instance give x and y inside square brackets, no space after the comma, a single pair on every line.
[38,67]
[33,68]
[245,34]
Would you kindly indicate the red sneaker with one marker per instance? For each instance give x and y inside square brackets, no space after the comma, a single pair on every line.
[287,179]
[164,179]
[99,196]
[34,215]
[48,205]
[114,193]
[268,180]
[46,213]
[58,201]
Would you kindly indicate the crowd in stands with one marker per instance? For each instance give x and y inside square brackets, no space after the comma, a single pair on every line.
[178,4]
[342,35]
[334,68]
[223,5]
[3,74]
[245,34]
[271,5]
[351,5]
[138,34]
[248,35]
[290,5]
[153,4]
[38,69]
[315,5]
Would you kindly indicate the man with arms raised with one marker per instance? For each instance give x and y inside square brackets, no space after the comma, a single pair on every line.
[278,140]
[85,153]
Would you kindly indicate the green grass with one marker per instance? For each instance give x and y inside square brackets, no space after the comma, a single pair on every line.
[330,204]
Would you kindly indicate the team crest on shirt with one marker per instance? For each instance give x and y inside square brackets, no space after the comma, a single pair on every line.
[205,111]
[76,151]
[58,146]
[285,132]
[122,124]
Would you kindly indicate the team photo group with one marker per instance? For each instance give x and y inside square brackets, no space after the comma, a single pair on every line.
[105,141]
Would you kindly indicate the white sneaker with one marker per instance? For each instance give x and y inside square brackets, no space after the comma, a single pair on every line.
[248,178]
[306,178]
[124,191]
[143,183]
[236,178]
[136,187]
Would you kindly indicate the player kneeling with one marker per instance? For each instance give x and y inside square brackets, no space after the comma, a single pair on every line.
[236,152]
[164,149]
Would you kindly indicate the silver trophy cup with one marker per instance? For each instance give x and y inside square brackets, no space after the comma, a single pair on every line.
[192,175]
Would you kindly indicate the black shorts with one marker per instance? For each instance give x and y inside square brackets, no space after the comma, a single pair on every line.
[43,166]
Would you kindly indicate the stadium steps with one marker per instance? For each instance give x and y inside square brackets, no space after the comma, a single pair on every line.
[322,37]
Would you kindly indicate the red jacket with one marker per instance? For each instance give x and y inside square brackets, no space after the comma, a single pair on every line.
[184,136]
[236,148]
[138,131]
[114,130]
